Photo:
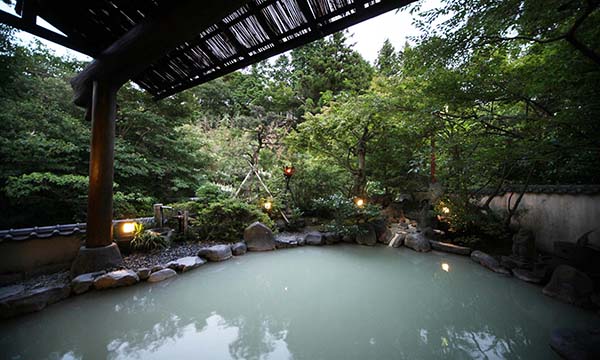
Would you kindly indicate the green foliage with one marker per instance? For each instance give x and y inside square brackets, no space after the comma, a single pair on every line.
[147,240]
[226,219]
[348,218]
[470,225]
[132,205]
[211,192]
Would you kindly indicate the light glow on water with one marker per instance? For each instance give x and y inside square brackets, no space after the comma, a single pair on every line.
[337,302]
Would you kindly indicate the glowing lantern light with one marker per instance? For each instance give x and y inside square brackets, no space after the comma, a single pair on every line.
[445,267]
[268,205]
[288,171]
[359,202]
[446,210]
[128,227]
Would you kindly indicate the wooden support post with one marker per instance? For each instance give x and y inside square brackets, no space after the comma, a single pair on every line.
[100,194]
[158,215]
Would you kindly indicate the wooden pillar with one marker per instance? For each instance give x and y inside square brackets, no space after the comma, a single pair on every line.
[100,194]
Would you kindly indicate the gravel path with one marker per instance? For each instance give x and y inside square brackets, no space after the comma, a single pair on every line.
[160,257]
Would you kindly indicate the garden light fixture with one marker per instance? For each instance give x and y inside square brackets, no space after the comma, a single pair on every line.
[446,210]
[360,202]
[128,228]
[268,205]
[288,171]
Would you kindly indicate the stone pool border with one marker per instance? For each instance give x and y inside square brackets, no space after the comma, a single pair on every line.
[15,301]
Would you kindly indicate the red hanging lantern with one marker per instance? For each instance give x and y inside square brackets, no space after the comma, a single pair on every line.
[288,171]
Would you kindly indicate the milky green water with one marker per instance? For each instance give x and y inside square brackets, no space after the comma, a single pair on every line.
[339,302]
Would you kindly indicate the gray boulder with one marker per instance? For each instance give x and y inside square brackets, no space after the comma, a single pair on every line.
[144,273]
[528,276]
[576,344]
[570,285]
[314,238]
[239,248]
[161,275]
[397,240]
[367,236]
[216,253]
[259,237]
[16,301]
[84,282]
[418,242]
[385,236]
[489,262]
[116,279]
[186,263]
[156,268]
[286,241]
[450,248]
[331,238]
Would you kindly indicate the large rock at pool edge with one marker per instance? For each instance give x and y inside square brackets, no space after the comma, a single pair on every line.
[22,302]
[570,285]
[489,262]
[216,253]
[239,248]
[161,275]
[259,237]
[418,242]
[116,279]
[84,282]
[576,344]
[367,236]
[314,238]
[186,263]
[450,248]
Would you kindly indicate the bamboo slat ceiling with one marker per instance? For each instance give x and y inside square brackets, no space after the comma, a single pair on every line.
[255,31]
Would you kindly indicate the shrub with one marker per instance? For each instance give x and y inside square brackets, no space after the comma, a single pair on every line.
[210,192]
[147,240]
[348,218]
[226,219]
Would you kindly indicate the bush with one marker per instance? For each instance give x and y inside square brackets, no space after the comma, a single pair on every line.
[348,218]
[147,240]
[211,192]
[226,219]
[470,225]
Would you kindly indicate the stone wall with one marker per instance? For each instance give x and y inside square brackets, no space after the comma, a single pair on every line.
[34,256]
[555,217]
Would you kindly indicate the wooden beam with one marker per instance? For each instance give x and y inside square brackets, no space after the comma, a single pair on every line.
[147,42]
[100,192]
[350,20]
[30,27]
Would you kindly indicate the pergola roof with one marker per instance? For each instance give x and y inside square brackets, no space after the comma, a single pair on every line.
[254,31]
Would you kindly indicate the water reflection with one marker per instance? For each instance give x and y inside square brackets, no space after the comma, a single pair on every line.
[309,303]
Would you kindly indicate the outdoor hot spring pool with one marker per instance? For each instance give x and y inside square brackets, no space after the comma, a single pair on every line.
[339,302]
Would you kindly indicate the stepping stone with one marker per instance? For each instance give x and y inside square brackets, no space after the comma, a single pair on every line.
[161,275]
[186,263]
